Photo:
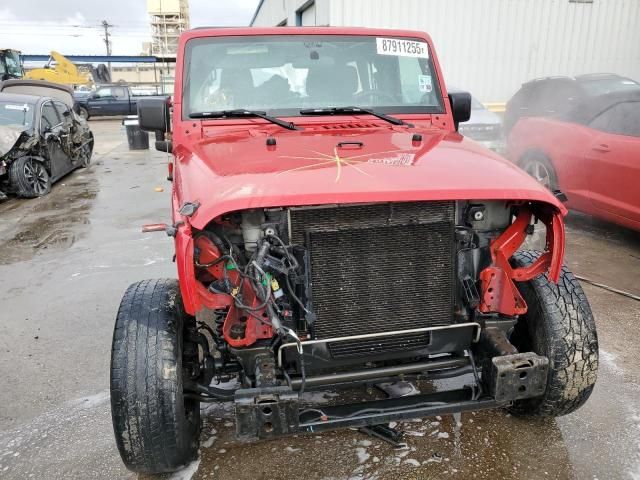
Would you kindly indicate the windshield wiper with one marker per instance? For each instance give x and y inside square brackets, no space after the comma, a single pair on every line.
[356,110]
[241,112]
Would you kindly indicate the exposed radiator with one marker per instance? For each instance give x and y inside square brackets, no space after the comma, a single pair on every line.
[378,268]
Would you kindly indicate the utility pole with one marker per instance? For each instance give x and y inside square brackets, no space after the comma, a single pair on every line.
[106,25]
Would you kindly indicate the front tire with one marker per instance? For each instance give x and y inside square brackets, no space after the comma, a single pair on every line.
[559,325]
[157,430]
[29,178]
[83,112]
[538,165]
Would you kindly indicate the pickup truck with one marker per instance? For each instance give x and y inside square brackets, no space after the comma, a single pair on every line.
[107,100]
[333,229]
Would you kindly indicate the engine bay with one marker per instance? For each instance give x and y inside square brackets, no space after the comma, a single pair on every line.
[287,276]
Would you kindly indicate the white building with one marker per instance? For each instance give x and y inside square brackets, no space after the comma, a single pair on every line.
[491,47]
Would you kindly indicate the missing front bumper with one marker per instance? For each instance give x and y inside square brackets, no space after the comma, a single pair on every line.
[274,411]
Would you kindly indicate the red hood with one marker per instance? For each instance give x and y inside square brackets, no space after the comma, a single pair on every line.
[235,169]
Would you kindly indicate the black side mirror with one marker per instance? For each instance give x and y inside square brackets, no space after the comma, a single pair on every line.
[153,114]
[460,107]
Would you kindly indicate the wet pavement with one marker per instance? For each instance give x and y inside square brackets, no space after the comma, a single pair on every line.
[66,259]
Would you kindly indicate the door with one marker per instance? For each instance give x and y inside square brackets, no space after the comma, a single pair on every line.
[613,160]
[66,142]
[108,101]
[51,129]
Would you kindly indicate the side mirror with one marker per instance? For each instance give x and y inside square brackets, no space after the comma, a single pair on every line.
[460,107]
[153,114]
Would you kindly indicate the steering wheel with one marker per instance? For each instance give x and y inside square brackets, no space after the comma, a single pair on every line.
[375,94]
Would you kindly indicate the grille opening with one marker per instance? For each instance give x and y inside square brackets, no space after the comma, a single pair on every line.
[378,268]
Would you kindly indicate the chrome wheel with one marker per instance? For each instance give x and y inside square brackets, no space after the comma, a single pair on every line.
[540,172]
[36,176]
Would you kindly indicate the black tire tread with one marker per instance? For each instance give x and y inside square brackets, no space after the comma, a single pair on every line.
[562,327]
[146,388]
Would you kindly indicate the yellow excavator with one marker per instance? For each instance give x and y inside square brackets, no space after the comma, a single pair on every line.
[59,69]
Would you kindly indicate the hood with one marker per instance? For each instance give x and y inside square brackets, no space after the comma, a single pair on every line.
[9,135]
[236,169]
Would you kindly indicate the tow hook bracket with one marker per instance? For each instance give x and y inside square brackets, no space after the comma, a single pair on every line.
[265,412]
[514,377]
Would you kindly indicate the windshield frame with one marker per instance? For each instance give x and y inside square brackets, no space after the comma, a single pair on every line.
[295,111]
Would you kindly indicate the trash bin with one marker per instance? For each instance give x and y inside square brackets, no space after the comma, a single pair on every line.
[138,139]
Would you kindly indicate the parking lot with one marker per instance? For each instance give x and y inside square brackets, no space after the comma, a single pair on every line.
[66,259]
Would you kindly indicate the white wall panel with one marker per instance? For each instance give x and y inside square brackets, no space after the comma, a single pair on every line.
[273,12]
[492,46]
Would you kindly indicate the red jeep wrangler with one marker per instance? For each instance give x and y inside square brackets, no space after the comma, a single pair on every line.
[332,229]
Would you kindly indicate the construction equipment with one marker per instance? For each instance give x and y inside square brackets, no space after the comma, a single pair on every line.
[59,69]
[10,64]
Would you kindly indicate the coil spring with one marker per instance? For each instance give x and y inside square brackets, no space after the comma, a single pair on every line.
[219,323]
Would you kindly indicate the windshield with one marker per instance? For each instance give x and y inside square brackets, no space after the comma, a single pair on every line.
[16,113]
[286,73]
[11,64]
[608,85]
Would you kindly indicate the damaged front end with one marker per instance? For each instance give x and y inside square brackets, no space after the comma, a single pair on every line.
[294,299]
[15,141]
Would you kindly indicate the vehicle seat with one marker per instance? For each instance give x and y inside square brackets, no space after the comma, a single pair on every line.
[330,85]
[237,85]
[275,89]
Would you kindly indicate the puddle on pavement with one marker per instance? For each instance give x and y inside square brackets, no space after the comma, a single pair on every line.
[53,222]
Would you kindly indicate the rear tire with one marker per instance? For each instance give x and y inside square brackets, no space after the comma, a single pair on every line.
[156,429]
[87,151]
[29,178]
[559,325]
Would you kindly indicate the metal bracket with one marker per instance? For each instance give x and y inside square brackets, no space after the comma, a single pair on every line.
[265,412]
[514,377]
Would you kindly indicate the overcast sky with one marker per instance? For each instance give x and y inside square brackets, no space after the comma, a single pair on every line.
[73,27]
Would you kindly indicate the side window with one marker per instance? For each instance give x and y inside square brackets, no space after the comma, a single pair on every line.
[119,93]
[603,120]
[104,92]
[63,112]
[626,119]
[50,117]
[621,119]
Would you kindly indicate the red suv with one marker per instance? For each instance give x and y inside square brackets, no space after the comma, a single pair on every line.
[332,228]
